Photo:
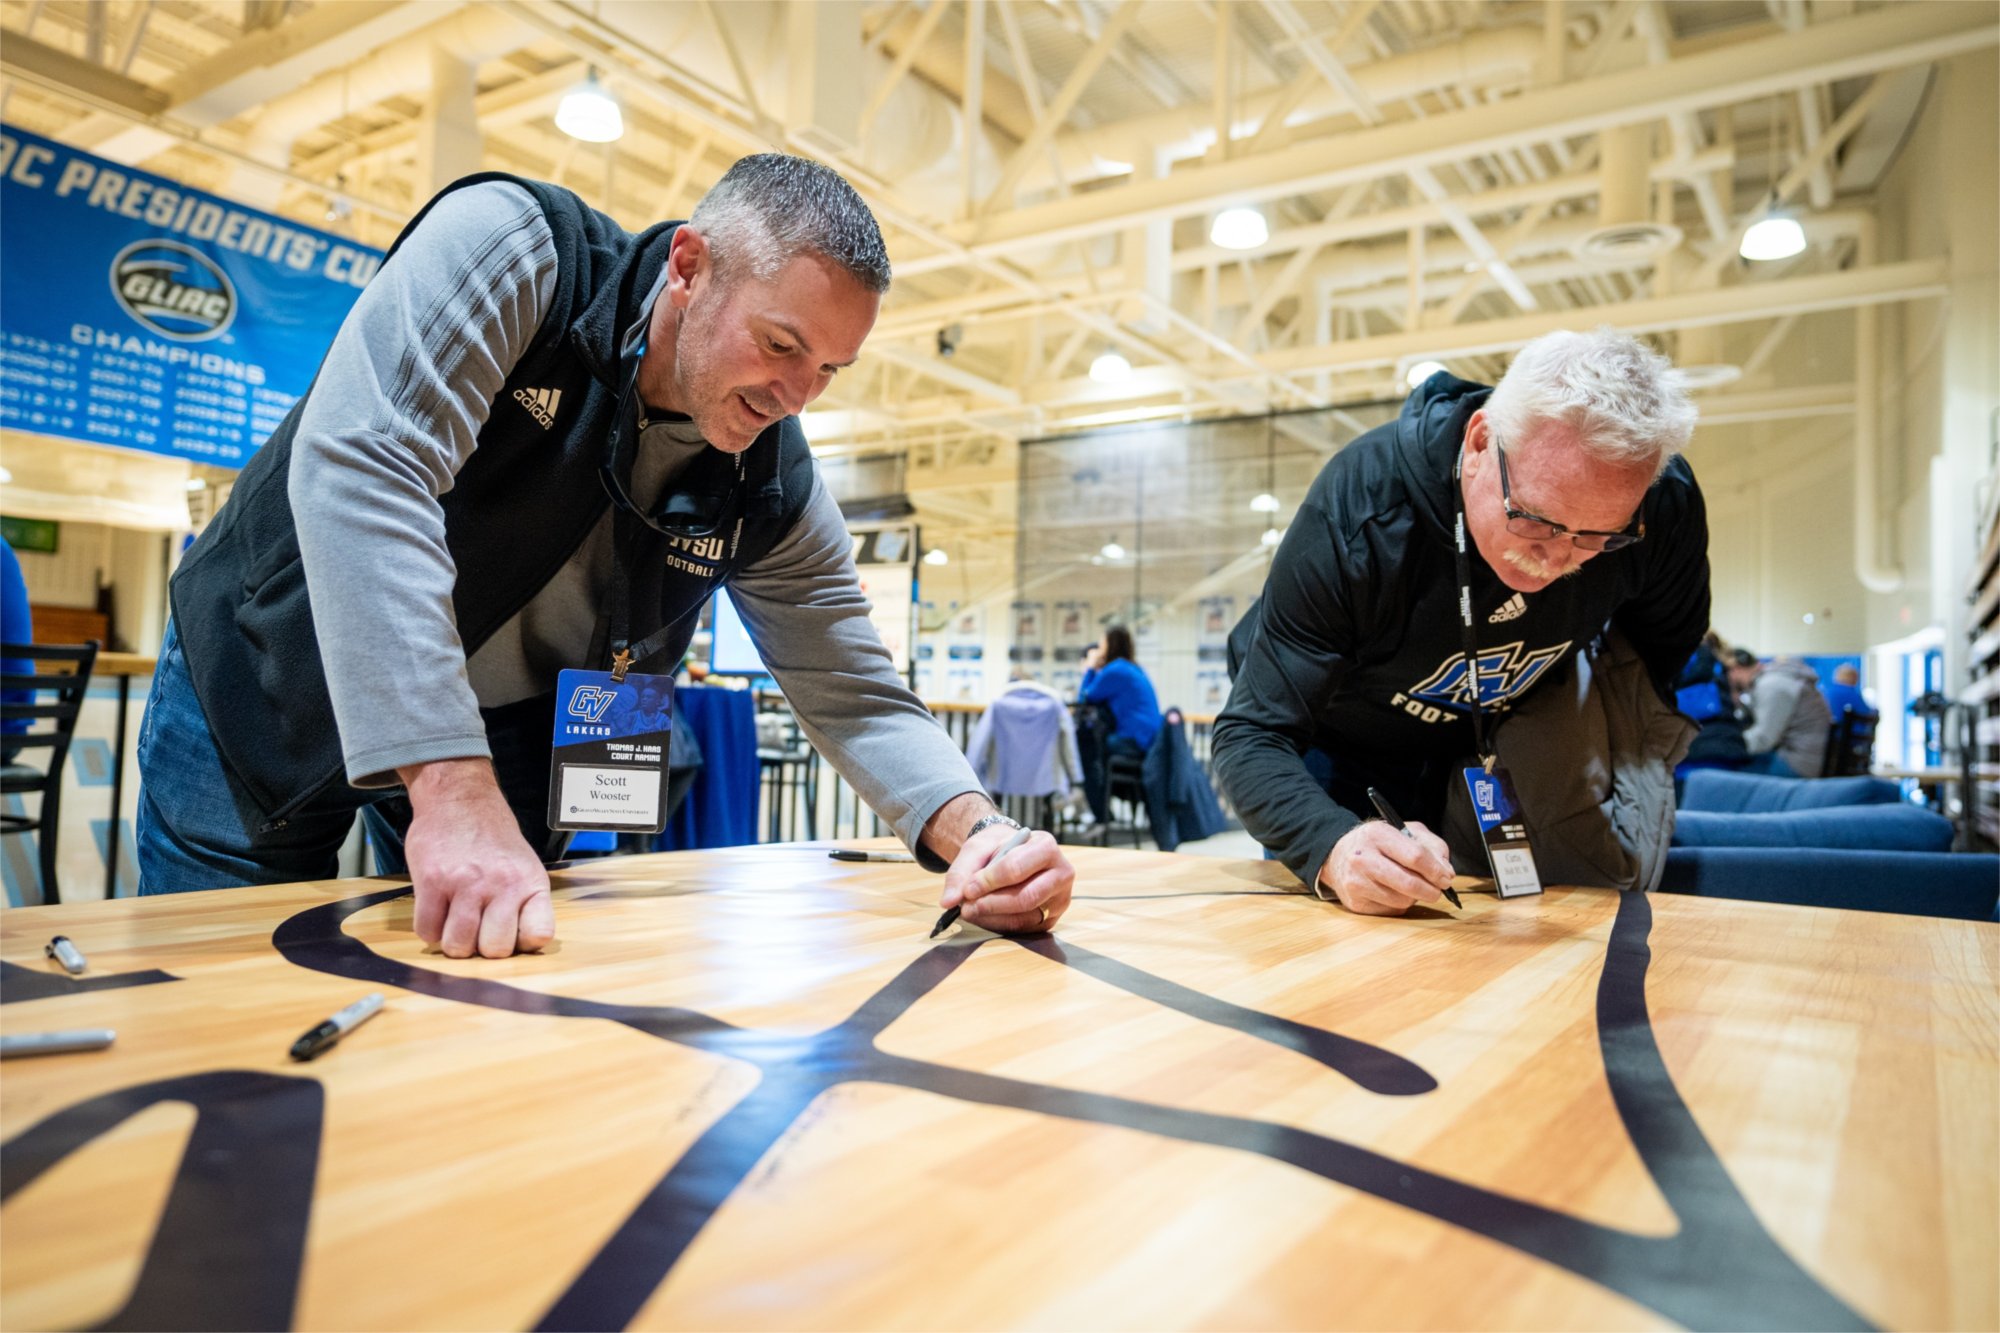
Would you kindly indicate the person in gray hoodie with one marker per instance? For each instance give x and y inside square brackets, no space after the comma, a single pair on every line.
[1789,718]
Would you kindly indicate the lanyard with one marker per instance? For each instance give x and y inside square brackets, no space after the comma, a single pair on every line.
[1480,731]
[624,528]
[630,525]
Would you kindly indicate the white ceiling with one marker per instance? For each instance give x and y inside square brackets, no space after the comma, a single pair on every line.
[1046,170]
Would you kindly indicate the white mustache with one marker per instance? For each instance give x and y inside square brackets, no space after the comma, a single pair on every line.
[1537,569]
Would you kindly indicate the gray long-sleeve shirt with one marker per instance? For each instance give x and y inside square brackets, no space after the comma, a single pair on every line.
[396,413]
[1789,715]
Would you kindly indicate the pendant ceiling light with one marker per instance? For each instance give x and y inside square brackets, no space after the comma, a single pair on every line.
[1239,229]
[1110,368]
[589,112]
[1776,235]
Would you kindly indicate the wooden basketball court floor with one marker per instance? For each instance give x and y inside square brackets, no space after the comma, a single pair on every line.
[743,1090]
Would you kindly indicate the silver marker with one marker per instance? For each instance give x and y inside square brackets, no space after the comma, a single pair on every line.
[67,954]
[55,1043]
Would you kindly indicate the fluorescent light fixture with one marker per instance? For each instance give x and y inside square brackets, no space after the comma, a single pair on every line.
[1112,550]
[589,112]
[1421,371]
[1266,503]
[1111,368]
[1776,236]
[936,556]
[196,484]
[1239,229]
[1270,537]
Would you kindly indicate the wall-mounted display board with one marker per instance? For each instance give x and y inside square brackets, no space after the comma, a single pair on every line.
[31,534]
[885,560]
[139,313]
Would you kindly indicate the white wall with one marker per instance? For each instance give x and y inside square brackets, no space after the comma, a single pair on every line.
[1942,358]
[1781,494]
[90,554]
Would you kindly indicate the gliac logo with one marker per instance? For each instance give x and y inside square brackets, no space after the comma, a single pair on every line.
[174,290]
[589,702]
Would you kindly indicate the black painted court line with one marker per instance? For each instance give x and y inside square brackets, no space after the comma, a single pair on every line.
[20,984]
[232,1238]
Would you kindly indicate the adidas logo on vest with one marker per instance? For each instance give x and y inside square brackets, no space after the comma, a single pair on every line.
[541,404]
[1510,609]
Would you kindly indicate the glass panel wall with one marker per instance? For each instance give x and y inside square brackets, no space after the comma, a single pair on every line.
[1166,529]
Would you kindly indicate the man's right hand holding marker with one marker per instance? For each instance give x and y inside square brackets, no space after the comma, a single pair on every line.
[1376,871]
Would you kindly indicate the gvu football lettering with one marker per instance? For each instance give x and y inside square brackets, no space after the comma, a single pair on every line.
[1505,674]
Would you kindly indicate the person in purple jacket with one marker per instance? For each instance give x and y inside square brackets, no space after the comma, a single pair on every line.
[1113,680]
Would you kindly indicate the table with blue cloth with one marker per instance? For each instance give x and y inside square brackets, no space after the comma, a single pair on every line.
[721,806]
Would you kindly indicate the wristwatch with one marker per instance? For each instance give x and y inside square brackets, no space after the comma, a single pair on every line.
[980,826]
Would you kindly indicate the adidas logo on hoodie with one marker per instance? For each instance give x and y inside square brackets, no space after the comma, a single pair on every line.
[541,404]
[1510,609]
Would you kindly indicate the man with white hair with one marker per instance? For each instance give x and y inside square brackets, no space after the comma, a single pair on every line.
[1522,520]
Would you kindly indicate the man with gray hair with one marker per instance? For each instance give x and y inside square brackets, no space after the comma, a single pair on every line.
[538,444]
[1351,672]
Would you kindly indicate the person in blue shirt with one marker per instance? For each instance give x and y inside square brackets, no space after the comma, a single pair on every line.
[1114,681]
[16,626]
[1845,693]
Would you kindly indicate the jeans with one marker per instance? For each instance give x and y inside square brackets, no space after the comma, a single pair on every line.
[1096,761]
[198,829]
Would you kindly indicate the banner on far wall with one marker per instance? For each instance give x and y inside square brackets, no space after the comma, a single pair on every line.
[137,312]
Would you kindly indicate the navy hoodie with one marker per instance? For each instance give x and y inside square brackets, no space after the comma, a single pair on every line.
[1355,649]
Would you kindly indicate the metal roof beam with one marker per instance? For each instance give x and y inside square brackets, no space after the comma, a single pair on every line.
[1907,281]
[1889,38]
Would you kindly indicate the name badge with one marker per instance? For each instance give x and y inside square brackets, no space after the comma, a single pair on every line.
[608,763]
[1504,831]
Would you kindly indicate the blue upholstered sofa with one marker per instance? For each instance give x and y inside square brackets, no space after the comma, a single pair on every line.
[1719,791]
[1867,828]
[1832,842]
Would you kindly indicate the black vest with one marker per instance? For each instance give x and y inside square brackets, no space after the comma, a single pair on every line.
[520,507]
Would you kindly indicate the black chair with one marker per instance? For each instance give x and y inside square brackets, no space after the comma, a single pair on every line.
[1850,746]
[1125,780]
[18,779]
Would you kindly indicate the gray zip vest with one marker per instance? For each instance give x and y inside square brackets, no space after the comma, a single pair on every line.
[520,507]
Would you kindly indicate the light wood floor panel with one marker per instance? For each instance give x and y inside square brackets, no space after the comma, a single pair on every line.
[743,1090]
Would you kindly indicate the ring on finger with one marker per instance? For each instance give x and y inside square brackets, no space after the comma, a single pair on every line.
[1045,917]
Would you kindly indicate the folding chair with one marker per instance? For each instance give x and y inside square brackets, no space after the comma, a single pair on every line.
[20,698]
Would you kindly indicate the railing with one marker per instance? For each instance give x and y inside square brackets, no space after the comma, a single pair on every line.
[804,798]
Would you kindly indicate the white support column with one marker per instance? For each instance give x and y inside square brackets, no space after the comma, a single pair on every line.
[448,142]
[1147,251]
[972,120]
[1413,314]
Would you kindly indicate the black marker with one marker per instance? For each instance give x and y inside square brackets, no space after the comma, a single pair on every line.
[67,954]
[951,913]
[315,1042]
[848,854]
[1395,821]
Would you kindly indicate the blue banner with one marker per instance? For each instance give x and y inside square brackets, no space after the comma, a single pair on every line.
[137,312]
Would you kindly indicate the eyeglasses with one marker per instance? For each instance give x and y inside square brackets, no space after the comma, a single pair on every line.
[679,514]
[1535,528]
